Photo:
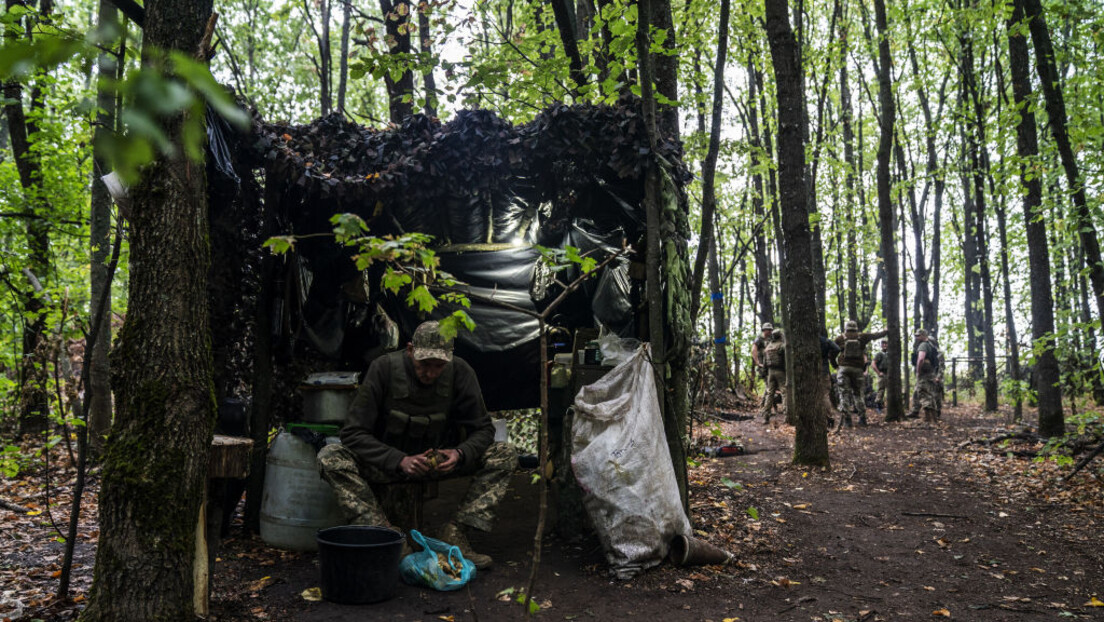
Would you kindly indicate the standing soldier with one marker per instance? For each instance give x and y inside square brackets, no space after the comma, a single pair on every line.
[926,360]
[757,348]
[774,359]
[880,368]
[851,360]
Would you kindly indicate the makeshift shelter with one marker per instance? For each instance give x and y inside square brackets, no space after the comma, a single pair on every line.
[485,190]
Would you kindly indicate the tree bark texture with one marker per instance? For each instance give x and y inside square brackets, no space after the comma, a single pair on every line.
[803,340]
[894,406]
[1051,421]
[400,93]
[155,461]
[764,302]
[99,363]
[565,23]
[1049,80]
[429,83]
[665,67]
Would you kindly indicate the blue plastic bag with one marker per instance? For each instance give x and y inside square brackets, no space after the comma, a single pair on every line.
[426,567]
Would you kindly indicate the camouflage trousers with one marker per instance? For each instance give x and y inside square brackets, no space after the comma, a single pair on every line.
[882,381]
[927,396]
[851,386]
[776,383]
[352,484]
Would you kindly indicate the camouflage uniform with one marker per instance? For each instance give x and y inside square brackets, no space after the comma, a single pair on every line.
[400,412]
[927,390]
[776,377]
[353,483]
[851,374]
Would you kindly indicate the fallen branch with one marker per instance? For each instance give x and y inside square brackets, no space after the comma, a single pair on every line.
[11,507]
[1085,461]
[1023,435]
[933,515]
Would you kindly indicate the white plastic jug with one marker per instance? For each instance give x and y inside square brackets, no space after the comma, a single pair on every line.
[297,502]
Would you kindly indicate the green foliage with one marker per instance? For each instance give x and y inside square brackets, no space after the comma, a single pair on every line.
[409,266]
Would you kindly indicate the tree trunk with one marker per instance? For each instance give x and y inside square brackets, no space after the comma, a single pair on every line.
[99,363]
[849,198]
[803,340]
[720,321]
[763,299]
[343,62]
[155,462]
[975,143]
[400,93]
[429,83]
[1051,422]
[1049,80]
[34,405]
[894,409]
[675,408]
[565,23]
[709,166]
[665,67]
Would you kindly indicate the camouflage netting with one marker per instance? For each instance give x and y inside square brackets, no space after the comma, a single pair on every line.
[475,179]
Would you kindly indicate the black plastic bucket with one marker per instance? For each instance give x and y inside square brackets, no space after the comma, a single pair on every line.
[359,564]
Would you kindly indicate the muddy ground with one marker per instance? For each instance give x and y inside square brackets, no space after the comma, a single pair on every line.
[909,523]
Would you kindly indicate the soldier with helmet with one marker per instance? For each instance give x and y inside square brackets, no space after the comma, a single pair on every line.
[851,359]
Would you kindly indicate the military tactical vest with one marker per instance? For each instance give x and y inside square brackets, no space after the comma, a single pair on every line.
[416,415]
[774,357]
[852,353]
[931,356]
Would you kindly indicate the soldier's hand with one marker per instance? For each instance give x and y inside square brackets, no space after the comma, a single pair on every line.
[414,466]
[451,461]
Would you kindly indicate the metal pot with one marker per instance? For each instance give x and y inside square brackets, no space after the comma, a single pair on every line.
[328,395]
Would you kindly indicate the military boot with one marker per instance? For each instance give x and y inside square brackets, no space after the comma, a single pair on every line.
[454,535]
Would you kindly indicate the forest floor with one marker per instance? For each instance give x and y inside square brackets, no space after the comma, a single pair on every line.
[911,522]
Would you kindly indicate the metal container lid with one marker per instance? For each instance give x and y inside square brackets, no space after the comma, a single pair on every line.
[330,380]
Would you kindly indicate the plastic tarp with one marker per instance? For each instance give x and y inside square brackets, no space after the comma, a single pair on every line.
[621,461]
[504,349]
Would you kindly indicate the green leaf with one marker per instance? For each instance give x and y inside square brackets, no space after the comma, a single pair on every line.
[734,485]
[753,512]
[421,296]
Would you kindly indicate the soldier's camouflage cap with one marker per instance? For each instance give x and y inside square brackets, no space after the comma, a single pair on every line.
[767,326]
[429,344]
[851,325]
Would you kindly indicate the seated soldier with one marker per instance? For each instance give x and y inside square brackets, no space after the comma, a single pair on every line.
[418,416]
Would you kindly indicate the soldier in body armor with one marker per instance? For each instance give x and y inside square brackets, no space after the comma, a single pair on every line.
[774,359]
[757,348]
[928,397]
[851,359]
[417,416]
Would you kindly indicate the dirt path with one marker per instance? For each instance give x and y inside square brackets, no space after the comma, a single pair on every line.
[904,526]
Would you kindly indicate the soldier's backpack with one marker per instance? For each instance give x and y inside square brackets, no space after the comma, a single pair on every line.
[774,356]
[853,351]
[932,361]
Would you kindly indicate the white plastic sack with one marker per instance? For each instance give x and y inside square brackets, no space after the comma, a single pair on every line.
[620,458]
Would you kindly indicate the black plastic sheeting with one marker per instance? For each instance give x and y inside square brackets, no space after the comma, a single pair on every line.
[504,349]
